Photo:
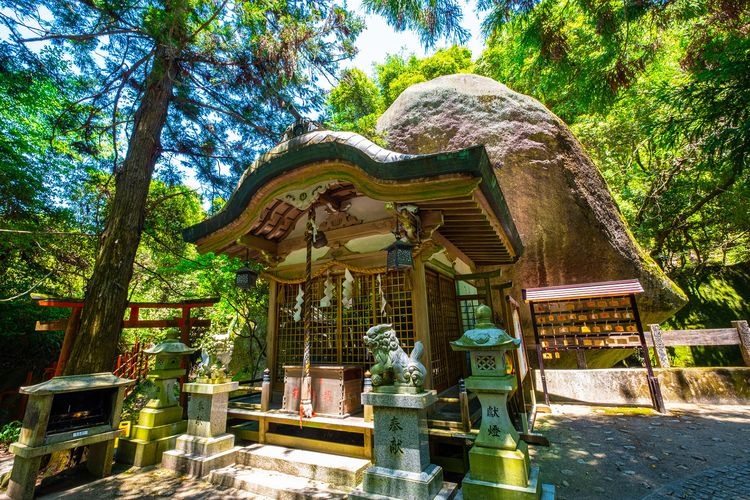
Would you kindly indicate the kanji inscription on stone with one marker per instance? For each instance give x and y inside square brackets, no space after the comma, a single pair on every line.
[493,411]
[394,425]
[395,446]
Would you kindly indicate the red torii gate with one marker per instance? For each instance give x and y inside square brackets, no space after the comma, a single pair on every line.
[70,325]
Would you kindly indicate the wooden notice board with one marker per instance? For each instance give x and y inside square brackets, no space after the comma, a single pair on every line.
[589,316]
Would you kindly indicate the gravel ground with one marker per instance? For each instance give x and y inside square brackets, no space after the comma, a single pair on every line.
[694,451]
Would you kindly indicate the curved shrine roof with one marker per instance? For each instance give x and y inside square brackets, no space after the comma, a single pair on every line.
[460,184]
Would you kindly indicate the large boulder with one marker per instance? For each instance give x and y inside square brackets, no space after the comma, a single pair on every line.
[571,228]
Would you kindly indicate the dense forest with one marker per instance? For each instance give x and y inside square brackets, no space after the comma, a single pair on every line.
[113,112]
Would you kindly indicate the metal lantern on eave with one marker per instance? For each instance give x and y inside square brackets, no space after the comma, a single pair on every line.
[245,278]
[400,255]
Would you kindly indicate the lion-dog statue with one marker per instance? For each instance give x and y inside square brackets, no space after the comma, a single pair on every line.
[392,365]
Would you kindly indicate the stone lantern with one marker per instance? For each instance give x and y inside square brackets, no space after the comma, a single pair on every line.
[499,465]
[160,421]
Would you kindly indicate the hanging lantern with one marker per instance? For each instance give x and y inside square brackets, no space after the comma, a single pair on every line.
[320,240]
[245,278]
[400,255]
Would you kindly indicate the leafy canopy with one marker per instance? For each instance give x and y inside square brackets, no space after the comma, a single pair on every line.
[244,70]
[357,101]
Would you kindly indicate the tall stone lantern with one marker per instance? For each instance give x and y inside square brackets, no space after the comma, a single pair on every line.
[160,421]
[499,466]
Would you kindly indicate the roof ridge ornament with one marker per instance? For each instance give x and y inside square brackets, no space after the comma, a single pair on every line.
[300,127]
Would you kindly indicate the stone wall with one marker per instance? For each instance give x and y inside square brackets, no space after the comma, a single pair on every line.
[625,386]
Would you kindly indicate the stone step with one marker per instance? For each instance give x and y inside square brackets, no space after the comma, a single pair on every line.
[161,431]
[343,472]
[272,484]
[197,465]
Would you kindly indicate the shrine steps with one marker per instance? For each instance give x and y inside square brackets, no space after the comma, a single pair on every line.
[448,414]
[286,473]
[449,428]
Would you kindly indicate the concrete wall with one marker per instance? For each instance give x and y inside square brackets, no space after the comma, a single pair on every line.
[623,386]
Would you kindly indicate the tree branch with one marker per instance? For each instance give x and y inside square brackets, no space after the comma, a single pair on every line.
[209,20]
[161,200]
[682,218]
[76,38]
[56,233]
[158,277]
[29,290]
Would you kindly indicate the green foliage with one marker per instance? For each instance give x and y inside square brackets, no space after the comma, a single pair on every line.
[429,19]
[717,295]
[357,101]
[42,248]
[659,94]
[192,83]
[10,433]
[573,56]
[397,74]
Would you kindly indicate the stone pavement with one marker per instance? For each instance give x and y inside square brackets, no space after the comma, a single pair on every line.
[728,482]
[694,451]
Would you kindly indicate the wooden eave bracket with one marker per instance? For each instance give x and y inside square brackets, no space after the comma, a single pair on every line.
[452,250]
[260,244]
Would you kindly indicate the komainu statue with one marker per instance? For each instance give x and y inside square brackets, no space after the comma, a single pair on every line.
[216,354]
[392,366]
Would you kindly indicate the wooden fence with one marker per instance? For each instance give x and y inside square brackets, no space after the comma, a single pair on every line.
[132,364]
[660,339]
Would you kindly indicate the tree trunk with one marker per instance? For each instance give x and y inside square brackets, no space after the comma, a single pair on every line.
[95,347]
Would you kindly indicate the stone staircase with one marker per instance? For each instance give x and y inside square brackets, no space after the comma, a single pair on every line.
[289,474]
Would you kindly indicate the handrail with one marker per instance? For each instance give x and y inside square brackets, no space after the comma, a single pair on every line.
[659,339]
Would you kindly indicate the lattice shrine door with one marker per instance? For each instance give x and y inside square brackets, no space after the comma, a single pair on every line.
[451,304]
[447,365]
[339,323]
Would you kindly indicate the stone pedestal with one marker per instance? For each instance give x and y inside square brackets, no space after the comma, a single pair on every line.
[207,445]
[159,423]
[402,452]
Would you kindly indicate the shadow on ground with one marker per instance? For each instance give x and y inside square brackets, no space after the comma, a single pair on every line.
[694,451]
[134,483]
[623,453]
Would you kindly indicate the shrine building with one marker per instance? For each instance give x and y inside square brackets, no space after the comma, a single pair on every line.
[411,240]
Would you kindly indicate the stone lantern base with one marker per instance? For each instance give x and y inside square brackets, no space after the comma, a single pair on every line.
[207,445]
[503,474]
[155,433]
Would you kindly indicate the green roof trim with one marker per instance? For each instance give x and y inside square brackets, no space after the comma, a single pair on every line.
[473,161]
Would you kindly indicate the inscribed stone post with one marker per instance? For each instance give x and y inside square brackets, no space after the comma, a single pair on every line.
[207,445]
